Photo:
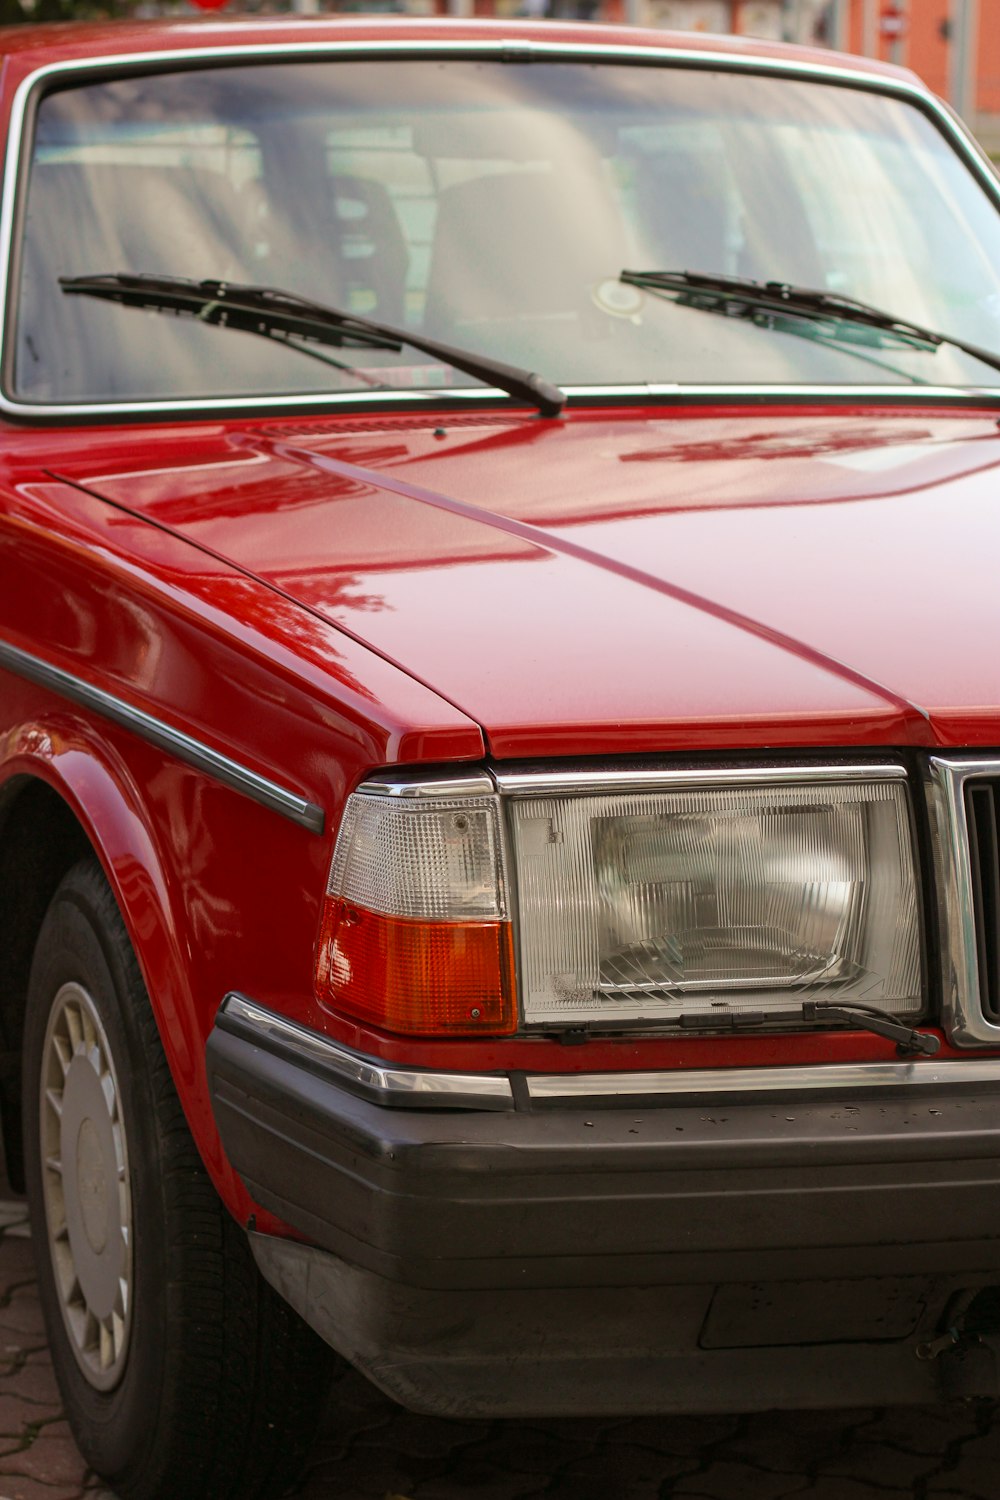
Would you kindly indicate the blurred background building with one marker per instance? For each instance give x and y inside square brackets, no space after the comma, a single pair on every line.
[953,44]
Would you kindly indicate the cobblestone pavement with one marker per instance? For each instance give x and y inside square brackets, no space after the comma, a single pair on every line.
[370,1449]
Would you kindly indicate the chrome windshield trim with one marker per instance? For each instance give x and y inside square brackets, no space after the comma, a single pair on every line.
[850,1077]
[946,777]
[545,783]
[488,396]
[388,400]
[725,391]
[509,48]
[397,1085]
[505,48]
[728,392]
[155,732]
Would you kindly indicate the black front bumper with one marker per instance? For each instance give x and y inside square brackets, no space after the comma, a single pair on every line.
[620,1259]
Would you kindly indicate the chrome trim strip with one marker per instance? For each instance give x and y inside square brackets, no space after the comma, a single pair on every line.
[485,396]
[545,783]
[847,1076]
[423,1086]
[475,784]
[174,741]
[397,1085]
[388,400]
[961,1009]
[846,393]
[498,47]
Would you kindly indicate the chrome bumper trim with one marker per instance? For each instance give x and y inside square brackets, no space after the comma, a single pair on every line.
[415,1087]
[813,1079]
[395,1085]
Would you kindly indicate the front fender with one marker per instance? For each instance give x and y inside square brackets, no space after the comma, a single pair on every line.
[108,783]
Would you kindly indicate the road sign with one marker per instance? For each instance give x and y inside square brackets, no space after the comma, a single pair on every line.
[892,21]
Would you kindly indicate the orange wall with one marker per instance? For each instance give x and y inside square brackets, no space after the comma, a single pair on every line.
[988,97]
[925,50]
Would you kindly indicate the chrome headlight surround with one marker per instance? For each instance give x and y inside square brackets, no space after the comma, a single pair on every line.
[696,895]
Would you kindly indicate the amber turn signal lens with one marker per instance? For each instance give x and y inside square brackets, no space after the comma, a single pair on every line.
[417,978]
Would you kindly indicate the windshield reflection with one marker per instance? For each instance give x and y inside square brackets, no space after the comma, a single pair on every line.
[492,206]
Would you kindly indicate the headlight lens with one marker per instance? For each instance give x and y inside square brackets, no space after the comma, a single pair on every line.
[702,900]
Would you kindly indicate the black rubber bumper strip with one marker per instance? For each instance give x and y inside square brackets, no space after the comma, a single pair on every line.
[574,1196]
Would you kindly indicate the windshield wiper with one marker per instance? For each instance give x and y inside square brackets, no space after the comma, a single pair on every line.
[722,293]
[273,313]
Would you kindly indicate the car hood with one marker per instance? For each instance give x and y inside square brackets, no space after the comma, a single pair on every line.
[625,582]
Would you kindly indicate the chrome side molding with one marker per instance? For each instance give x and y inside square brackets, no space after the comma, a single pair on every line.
[174,741]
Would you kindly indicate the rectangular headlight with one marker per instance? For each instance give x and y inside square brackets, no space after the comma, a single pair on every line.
[697,900]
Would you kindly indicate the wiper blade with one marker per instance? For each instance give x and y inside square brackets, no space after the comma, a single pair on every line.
[269,311]
[715,292]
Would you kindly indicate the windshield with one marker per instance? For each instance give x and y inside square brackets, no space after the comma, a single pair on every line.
[492,205]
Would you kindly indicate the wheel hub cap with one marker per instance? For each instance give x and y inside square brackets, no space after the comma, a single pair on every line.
[92,1181]
[88,1203]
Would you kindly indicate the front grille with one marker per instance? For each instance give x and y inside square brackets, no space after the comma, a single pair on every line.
[982,803]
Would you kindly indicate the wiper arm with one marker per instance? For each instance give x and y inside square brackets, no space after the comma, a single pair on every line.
[269,311]
[782,298]
[909,1041]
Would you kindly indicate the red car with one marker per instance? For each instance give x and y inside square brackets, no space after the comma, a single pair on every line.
[499,708]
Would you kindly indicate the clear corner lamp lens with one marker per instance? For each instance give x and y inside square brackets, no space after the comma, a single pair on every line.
[699,901]
[431,859]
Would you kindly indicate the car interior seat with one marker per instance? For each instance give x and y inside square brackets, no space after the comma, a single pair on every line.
[520,250]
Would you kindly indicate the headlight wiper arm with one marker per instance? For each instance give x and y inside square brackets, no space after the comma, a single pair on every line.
[909,1041]
[715,292]
[269,311]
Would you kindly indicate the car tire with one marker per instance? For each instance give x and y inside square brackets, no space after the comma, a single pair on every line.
[182,1372]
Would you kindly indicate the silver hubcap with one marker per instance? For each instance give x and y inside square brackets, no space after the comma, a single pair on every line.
[88,1205]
